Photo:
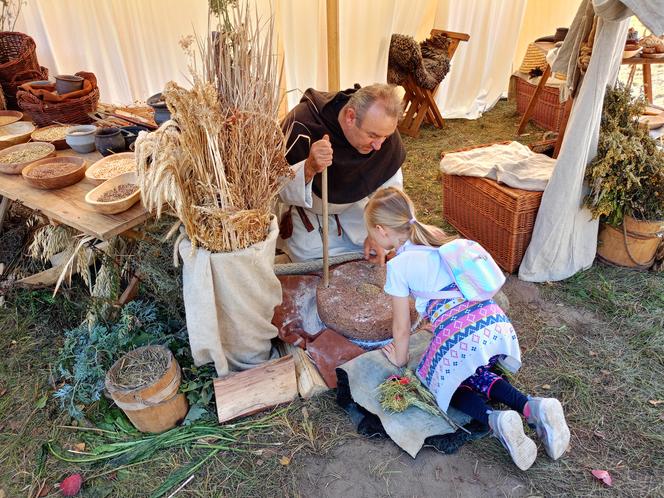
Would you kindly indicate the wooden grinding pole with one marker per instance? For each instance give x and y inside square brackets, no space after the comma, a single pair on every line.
[332,10]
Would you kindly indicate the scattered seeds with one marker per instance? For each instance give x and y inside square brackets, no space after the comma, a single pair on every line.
[51,134]
[119,192]
[52,170]
[25,155]
[112,168]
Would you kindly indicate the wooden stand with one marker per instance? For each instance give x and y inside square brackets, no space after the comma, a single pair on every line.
[419,103]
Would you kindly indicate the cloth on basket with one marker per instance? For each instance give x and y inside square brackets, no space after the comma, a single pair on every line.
[513,164]
[47,93]
[467,336]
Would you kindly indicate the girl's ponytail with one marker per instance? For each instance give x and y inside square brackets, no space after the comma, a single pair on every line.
[392,208]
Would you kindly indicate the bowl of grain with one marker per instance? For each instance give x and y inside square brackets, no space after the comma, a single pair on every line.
[115,195]
[54,134]
[15,133]
[55,172]
[110,166]
[9,117]
[13,159]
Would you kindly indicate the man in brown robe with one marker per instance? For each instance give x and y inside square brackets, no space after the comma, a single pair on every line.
[352,133]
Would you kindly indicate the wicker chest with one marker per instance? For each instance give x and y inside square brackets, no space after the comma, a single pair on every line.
[500,218]
[548,113]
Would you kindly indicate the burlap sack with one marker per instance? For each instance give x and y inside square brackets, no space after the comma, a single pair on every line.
[229,301]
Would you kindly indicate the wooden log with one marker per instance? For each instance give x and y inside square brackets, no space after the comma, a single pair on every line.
[309,380]
[4,208]
[245,393]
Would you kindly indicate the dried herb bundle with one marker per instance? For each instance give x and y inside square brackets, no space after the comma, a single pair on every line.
[627,175]
[397,394]
[221,160]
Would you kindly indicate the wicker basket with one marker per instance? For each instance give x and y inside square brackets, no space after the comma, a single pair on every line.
[500,218]
[549,110]
[9,88]
[72,111]
[17,54]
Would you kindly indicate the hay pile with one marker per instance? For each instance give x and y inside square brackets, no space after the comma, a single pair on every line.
[219,163]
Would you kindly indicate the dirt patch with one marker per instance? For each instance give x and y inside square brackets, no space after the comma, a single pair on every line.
[378,468]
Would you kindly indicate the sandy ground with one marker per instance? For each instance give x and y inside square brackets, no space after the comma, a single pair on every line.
[378,468]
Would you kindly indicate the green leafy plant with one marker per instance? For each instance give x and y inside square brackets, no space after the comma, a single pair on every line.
[90,350]
[627,175]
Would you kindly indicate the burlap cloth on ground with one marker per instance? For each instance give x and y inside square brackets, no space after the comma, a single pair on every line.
[410,428]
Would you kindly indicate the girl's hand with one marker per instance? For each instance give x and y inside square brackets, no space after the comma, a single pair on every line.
[390,352]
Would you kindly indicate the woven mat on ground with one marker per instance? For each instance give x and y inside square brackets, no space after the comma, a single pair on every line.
[513,164]
[411,428]
[428,61]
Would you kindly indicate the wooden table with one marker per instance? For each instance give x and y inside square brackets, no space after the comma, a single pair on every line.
[645,63]
[68,206]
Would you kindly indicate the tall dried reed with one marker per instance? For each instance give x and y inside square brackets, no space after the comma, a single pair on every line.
[221,160]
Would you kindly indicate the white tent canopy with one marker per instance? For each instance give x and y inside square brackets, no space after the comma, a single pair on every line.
[133,46]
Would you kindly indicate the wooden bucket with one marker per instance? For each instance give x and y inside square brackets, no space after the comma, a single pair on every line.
[155,407]
[633,245]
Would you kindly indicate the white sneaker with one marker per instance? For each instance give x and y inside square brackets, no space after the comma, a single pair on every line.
[508,428]
[549,419]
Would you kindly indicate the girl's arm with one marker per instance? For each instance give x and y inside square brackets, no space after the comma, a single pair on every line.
[397,351]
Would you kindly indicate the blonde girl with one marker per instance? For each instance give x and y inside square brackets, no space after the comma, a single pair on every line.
[469,337]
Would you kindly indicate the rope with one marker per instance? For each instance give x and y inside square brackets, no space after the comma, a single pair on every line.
[639,236]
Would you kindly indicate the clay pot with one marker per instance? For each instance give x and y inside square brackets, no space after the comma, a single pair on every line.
[66,83]
[130,134]
[109,141]
[161,112]
[82,138]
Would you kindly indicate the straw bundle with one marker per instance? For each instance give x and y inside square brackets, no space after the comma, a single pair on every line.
[221,160]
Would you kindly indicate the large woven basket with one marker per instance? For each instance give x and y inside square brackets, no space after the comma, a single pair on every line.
[72,111]
[500,218]
[9,88]
[17,54]
[549,111]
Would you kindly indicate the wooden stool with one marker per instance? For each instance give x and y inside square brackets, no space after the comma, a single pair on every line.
[419,103]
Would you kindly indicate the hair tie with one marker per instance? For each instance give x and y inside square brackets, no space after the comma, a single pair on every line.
[412,221]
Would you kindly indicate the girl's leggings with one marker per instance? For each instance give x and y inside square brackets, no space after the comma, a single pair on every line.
[472,395]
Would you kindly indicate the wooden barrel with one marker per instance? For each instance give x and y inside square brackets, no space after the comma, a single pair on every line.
[634,244]
[157,406]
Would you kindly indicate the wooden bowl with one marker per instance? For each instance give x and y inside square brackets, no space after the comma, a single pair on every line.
[15,133]
[652,122]
[653,56]
[59,144]
[628,54]
[9,117]
[15,168]
[55,182]
[93,171]
[118,206]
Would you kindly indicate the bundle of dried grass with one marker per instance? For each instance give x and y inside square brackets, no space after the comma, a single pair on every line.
[221,160]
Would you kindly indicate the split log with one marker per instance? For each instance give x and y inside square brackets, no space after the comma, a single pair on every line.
[245,393]
[309,380]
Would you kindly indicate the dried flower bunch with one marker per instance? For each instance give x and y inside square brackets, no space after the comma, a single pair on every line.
[627,175]
[397,394]
[221,160]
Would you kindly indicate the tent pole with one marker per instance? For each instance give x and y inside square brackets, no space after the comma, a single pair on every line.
[332,8]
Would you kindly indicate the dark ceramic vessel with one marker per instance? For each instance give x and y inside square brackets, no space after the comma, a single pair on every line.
[109,141]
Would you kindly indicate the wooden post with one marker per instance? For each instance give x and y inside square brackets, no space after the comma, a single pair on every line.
[333,83]
[4,208]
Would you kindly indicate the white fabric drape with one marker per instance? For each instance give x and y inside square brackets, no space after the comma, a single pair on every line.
[365,29]
[481,67]
[132,47]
